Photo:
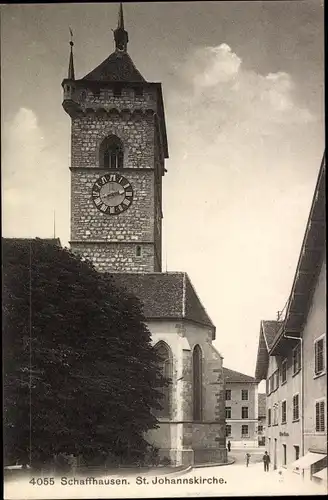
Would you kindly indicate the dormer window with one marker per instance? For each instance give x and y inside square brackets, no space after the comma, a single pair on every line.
[111,153]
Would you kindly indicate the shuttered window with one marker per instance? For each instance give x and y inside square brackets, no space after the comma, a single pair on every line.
[296,359]
[284,371]
[284,412]
[320,416]
[319,361]
[269,416]
[296,410]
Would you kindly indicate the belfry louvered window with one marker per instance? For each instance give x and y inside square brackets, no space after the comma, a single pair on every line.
[111,153]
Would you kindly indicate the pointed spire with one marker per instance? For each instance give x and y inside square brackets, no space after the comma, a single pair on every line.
[120,35]
[71,73]
[120,17]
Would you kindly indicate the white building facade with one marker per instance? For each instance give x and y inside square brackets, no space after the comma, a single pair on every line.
[292,360]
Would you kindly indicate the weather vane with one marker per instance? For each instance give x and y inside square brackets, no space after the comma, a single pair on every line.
[71,33]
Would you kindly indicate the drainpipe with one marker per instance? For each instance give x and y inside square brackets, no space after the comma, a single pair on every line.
[302,387]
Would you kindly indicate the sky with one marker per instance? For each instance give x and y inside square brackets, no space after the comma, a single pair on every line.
[243,94]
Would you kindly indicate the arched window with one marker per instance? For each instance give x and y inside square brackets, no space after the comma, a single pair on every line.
[197,382]
[165,366]
[111,152]
[138,251]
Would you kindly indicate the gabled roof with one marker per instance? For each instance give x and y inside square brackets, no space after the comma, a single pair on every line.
[270,329]
[165,295]
[231,376]
[118,67]
[309,264]
[268,332]
[261,404]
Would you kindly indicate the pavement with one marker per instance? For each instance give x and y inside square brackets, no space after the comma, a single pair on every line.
[212,481]
[238,455]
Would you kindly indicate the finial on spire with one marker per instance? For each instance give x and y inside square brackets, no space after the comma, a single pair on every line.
[71,73]
[120,35]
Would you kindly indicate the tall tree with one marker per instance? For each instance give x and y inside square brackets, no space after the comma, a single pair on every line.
[80,373]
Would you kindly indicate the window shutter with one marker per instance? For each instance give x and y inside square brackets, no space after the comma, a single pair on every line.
[318,352]
[317,417]
[320,416]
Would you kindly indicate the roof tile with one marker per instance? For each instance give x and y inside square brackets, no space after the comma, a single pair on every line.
[165,295]
[117,67]
[231,376]
[270,330]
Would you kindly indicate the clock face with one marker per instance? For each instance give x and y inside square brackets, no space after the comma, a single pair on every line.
[112,194]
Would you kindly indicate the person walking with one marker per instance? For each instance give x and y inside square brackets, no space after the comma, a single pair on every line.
[247,459]
[266,461]
[229,446]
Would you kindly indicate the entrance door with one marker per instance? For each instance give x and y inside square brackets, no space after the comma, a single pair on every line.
[275,454]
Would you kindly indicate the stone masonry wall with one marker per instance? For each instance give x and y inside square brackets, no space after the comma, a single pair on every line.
[106,98]
[136,224]
[117,257]
[129,116]
[136,133]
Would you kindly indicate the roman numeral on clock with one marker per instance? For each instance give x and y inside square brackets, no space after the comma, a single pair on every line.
[112,194]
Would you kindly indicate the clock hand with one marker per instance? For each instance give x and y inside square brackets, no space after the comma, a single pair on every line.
[114,193]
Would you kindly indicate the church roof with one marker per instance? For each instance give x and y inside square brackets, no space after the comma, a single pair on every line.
[231,376]
[117,67]
[165,296]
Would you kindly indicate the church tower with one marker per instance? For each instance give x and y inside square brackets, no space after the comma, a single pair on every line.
[118,149]
[119,146]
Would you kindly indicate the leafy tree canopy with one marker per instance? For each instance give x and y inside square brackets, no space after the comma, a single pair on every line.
[80,373]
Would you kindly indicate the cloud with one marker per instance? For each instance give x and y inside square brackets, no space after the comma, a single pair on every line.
[32,178]
[215,89]
[238,190]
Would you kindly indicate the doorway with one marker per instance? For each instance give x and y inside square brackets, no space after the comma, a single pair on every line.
[275,454]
